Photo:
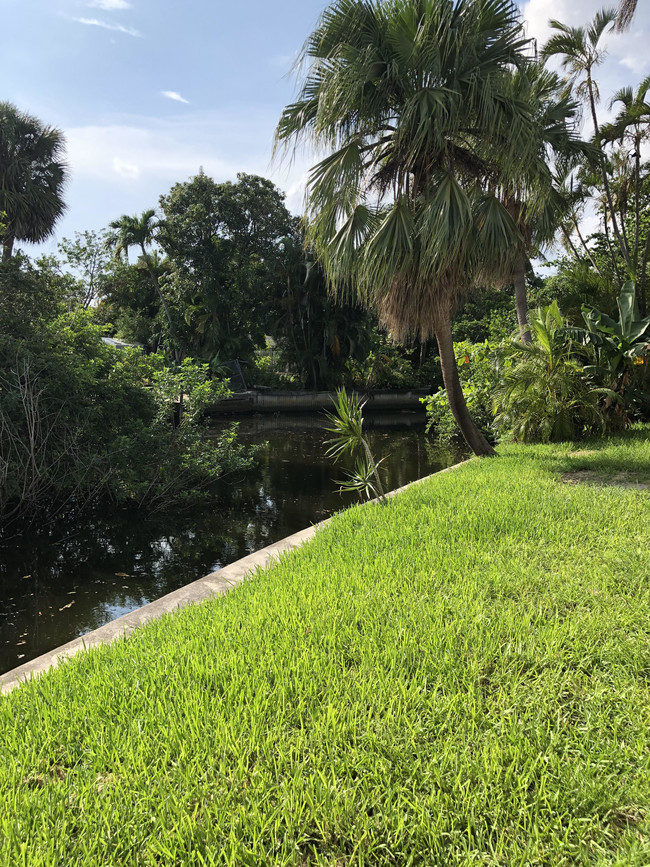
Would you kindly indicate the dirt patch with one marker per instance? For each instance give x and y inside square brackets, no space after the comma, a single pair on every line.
[620,480]
[583,453]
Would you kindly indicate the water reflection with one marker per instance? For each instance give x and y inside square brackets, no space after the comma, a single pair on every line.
[74,576]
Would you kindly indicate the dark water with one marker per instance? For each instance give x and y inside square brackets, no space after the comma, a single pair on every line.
[76,575]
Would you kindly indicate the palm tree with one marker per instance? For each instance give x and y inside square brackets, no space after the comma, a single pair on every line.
[624,14]
[32,178]
[410,95]
[581,52]
[534,201]
[631,127]
[140,232]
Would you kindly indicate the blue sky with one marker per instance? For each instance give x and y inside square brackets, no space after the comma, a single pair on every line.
[148,91]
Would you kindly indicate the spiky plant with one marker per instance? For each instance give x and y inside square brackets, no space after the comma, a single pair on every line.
[346,423]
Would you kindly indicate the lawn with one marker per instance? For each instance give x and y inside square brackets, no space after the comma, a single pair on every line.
[460,677]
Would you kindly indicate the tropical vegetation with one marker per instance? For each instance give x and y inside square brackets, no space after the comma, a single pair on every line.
[453,160]
[32,178]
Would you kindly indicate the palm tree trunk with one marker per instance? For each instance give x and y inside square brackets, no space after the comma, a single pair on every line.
[7,247]
[584,245]
[521,302]
[610,249]
[572,246]
[603,163]
[637,205]
[471,434]
[644,270]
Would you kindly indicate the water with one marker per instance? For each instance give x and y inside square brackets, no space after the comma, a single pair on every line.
[72,577]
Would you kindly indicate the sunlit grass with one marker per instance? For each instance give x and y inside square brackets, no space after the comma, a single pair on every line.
[460,677]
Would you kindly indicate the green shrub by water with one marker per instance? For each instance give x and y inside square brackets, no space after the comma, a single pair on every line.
[458,678]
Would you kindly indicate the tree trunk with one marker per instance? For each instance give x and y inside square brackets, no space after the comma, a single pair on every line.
[7,247]
[585,247]
[521,303]
[471,434]
[622,244]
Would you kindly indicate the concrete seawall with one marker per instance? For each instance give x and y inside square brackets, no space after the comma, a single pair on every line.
[314,401]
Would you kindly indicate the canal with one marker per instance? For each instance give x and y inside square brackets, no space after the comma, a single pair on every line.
[68,578]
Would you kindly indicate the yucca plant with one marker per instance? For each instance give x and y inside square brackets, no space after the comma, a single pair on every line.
[346,423]
[545,394]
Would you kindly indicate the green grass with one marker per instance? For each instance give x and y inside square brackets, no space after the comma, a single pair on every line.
[458,678]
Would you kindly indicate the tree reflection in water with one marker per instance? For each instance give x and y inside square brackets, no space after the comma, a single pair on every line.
[73,576]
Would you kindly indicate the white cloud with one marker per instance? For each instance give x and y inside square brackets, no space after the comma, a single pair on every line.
[157,152]
[627,58]
[142,157]
[95,22]
[171,94]
[109,5]
[125,170]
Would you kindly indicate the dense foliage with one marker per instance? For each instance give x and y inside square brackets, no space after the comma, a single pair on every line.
[81,421]
[480,367]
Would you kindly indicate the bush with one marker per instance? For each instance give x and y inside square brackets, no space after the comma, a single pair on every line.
[478,370]
[545,394]
[81,421]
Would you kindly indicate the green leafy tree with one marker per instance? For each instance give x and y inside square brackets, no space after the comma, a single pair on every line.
[32,178]
[480,367]
[318,336]
[140,232]
[412,99]
[223,242]
[81,422]
[88,259]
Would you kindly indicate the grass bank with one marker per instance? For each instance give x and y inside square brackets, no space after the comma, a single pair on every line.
[458,678]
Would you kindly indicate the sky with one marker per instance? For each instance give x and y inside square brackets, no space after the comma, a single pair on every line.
[147,92]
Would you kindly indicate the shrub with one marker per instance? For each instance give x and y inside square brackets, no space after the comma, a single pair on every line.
[478,370]
[545,394]
[80,421]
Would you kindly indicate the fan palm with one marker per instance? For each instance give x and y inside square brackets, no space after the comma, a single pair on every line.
[32,178]
[534,200]
[411,98]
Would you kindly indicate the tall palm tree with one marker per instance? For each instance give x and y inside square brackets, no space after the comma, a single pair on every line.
[133,231]
[580,51]
[631,128]
[410,97]
[534,201]
[32,178]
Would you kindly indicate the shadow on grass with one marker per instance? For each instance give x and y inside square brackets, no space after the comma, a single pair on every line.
[621,459]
